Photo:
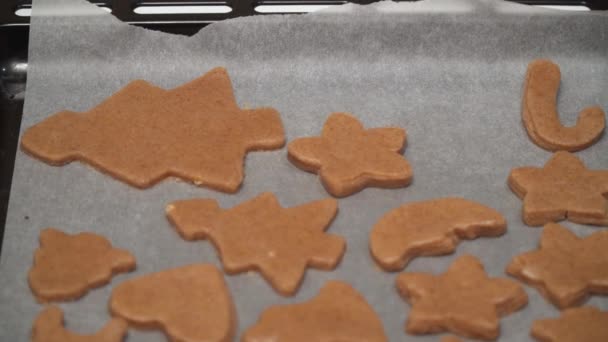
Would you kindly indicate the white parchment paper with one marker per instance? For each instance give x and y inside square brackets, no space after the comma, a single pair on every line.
[449,72]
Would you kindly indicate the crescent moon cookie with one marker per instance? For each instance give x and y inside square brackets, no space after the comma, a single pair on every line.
[432,227]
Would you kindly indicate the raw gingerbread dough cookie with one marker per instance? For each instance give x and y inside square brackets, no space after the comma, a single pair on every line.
[48,327]
[566,268]
[563,189]
[432,227]
[66,266]
[189,303]
[143,134]
[260,235]
[464,300]
[539,112]
[337,314]
[450,339]
[349,157]
[585,324]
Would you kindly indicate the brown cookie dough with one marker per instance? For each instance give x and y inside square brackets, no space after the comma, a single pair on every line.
[143,134]
[566,268]
[464,300]
[189,303]
[260,235]
[540,117]
[563,189]
[431,227]
[48,327]
[349,157]
[450,338]
[337,313]
[66,266]
[585,324]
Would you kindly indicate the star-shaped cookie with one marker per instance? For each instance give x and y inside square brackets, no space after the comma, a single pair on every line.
[563,189]
[585,324]
[566,268]
[349,157]
[260,235]
[464,300]
[144,134]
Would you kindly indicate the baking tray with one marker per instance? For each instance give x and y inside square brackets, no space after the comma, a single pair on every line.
[14,35]
[47,196]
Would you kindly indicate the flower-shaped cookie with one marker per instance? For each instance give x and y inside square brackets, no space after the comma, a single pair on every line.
[566,268]
[349,157]
[563,189]
[464,300]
